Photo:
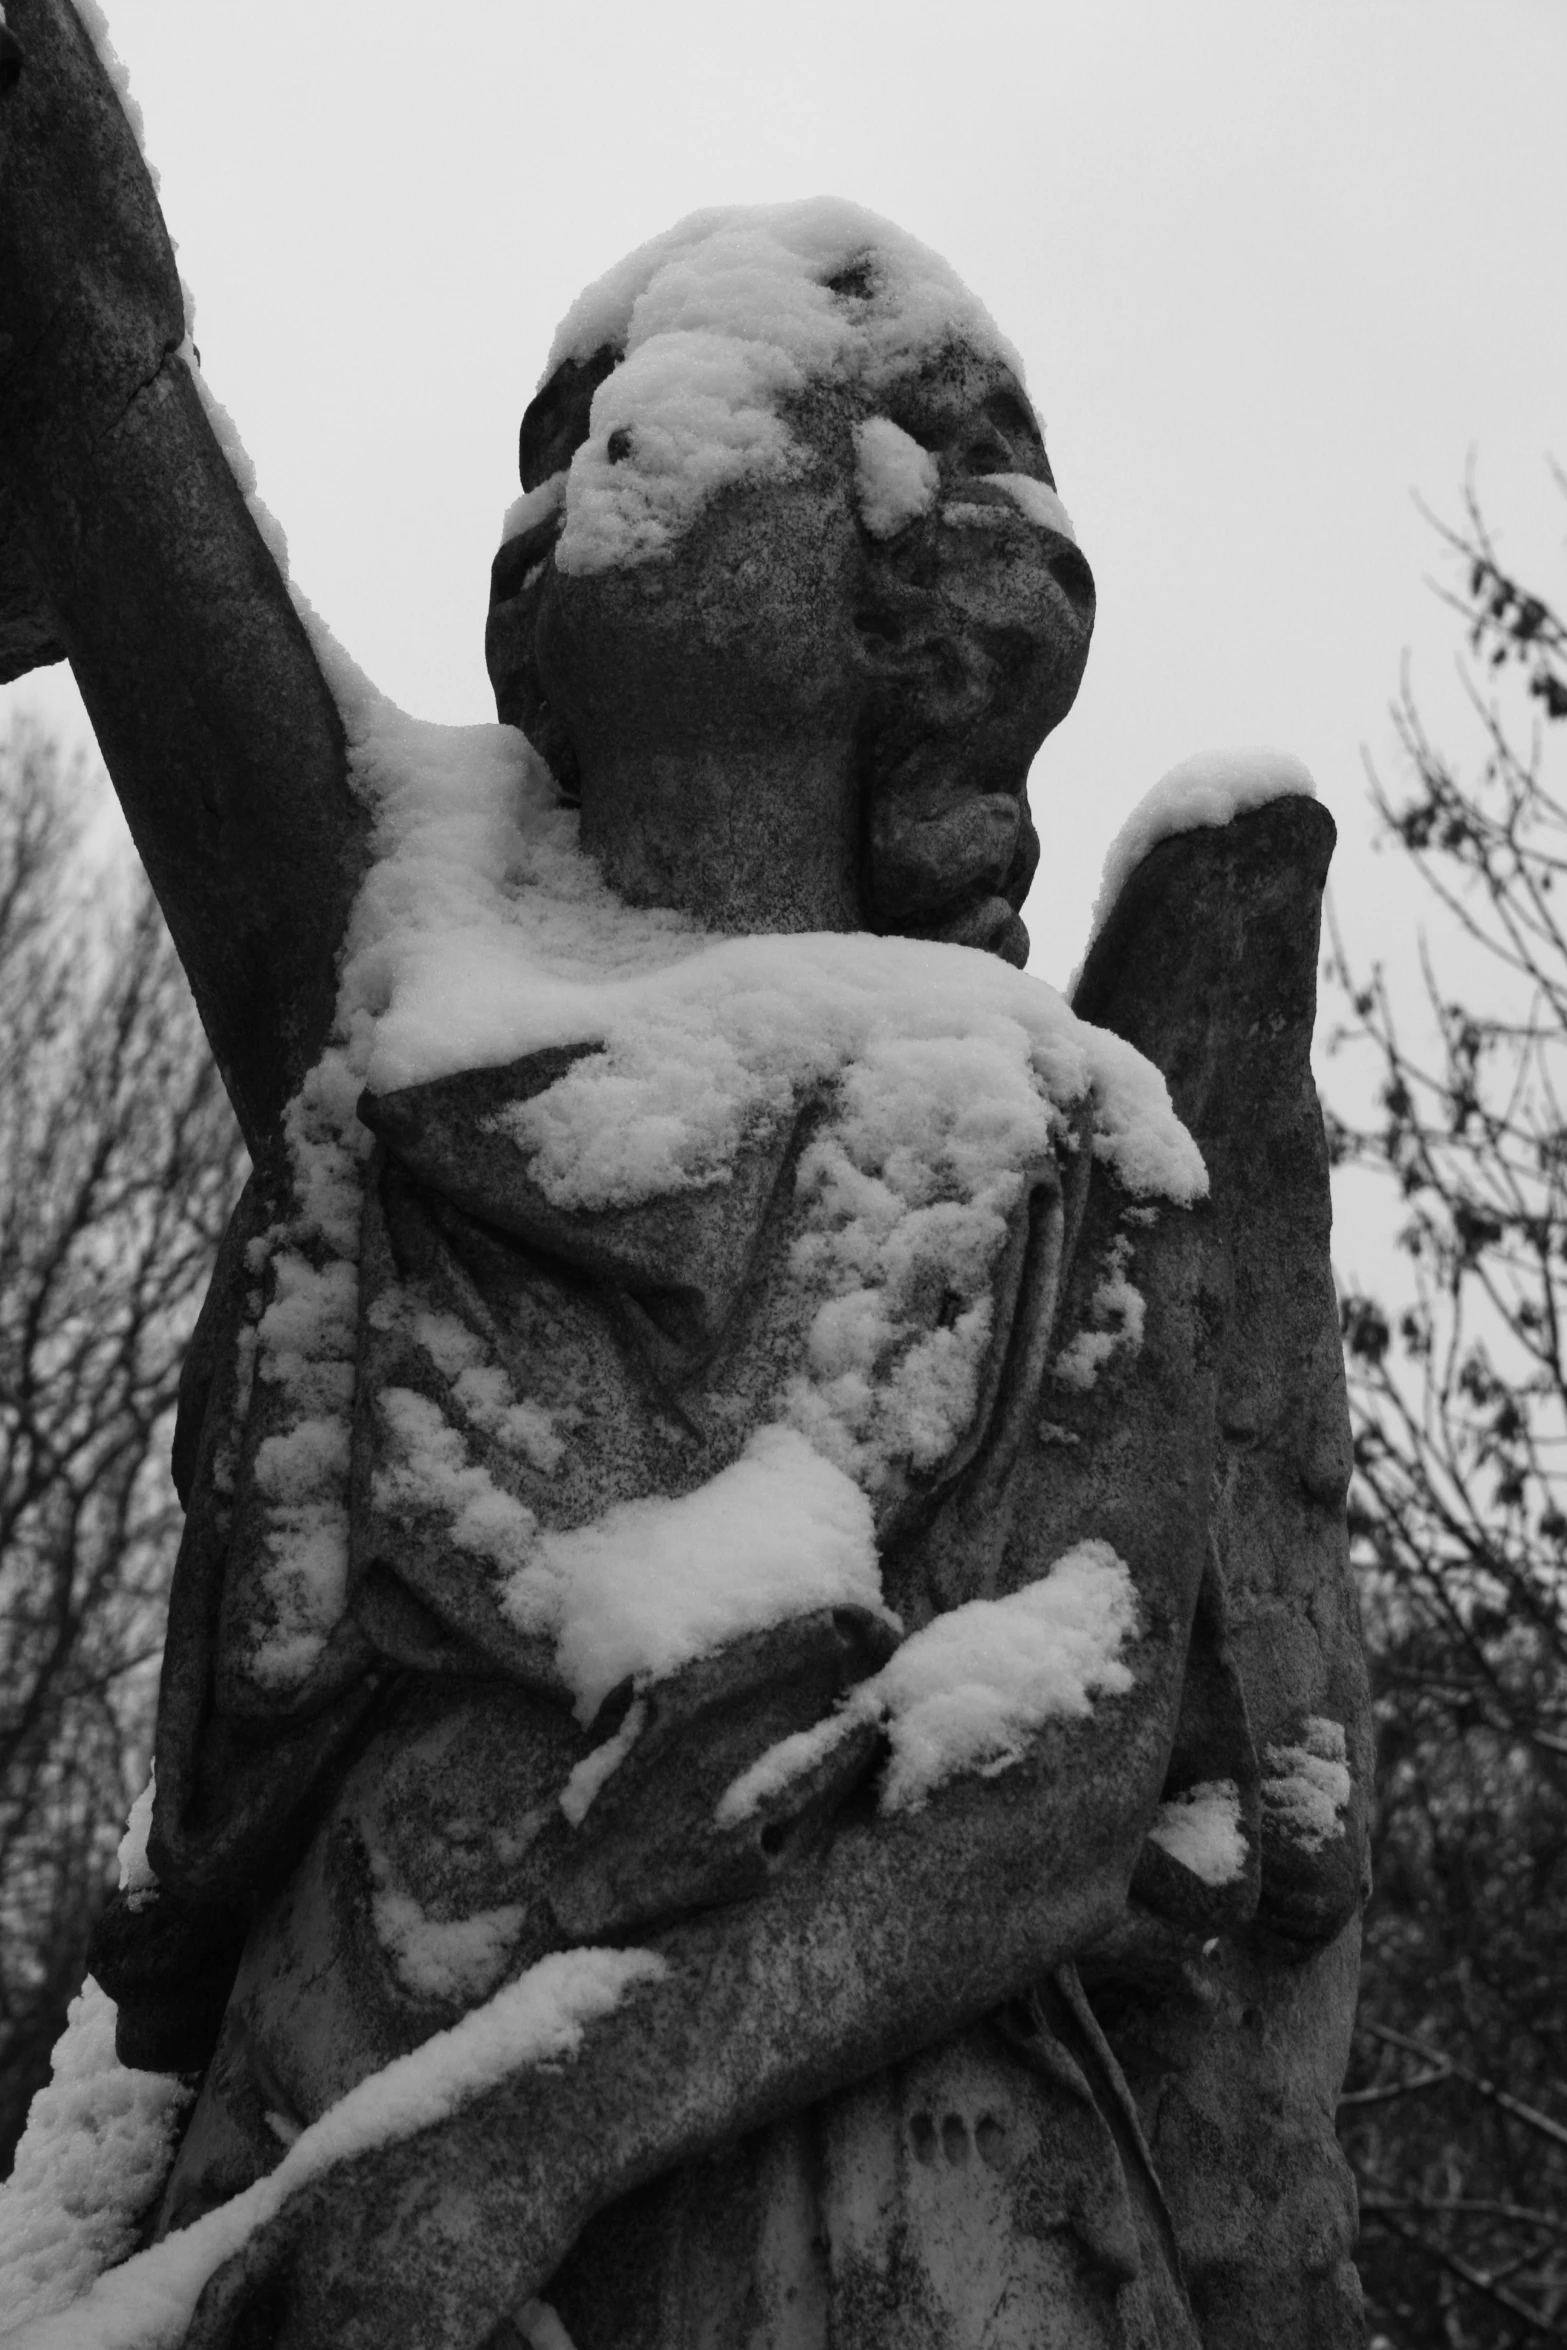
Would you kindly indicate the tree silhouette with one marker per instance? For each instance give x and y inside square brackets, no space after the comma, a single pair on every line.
[1456,2113]
[119,1159]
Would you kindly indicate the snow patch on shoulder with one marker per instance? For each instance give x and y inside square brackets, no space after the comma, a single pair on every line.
[1211,789]
[481,934]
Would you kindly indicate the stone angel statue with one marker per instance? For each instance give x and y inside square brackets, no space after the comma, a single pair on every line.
[763,1736]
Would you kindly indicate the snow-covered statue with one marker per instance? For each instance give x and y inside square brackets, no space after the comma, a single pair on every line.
[762,1729]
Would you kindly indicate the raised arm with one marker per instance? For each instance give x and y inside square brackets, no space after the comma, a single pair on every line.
[130,546]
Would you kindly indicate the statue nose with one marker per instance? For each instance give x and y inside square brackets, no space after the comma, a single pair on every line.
[1072,576]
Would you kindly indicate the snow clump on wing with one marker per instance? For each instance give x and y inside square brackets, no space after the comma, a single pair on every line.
[720,322]
[1208,790]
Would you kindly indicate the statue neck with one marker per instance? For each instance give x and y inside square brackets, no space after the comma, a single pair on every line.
[744,839]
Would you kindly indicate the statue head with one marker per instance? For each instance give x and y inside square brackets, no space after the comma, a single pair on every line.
[789,602]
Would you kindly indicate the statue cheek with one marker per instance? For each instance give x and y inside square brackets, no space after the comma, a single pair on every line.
[745,627]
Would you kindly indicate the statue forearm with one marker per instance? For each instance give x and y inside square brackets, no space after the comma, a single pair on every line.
[904,1928]
[208,703]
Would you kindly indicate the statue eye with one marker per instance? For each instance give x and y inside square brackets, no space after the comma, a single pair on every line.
[988,452]
[1007,412]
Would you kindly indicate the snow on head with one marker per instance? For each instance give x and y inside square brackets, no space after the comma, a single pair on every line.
[1211,789]
[718,323]
[743,269]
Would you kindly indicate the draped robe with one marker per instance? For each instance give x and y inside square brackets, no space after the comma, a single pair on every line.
[1044,2170]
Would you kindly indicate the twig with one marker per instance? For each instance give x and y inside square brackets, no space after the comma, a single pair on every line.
[1385,2096]
[1474,2278]
[1527,2114]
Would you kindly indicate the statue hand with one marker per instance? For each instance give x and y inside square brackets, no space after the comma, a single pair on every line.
[652,1843]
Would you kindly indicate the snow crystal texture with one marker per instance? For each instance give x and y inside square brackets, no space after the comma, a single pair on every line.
[968,1692]
[1306,1787]
[482,933]
[91,2161]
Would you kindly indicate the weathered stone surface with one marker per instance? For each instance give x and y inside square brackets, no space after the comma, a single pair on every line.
[999,2067]
[1208,964]
[29,632]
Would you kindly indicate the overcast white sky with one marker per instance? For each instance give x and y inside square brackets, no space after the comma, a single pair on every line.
[1274,265]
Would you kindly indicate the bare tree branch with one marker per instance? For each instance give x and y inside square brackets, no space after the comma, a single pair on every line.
[118,1162]
[1458,1509]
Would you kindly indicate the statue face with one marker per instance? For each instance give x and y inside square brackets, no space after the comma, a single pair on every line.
[871,570]
[741,635]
